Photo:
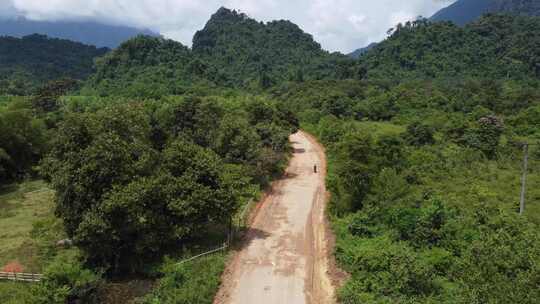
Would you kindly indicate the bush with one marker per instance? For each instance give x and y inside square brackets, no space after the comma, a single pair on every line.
[419,134]
[485,135]
[195,282]
[15,293]
[66,281]
[382,267]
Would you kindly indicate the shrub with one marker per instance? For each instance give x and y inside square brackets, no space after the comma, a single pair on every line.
[485,135]
[66,281]
[419,134]
[195,282]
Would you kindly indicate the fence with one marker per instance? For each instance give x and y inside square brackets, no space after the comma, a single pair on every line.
[238,223]
[21,277]
[225,246]
[242,221]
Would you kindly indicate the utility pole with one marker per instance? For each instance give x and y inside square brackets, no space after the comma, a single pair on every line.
[524,177]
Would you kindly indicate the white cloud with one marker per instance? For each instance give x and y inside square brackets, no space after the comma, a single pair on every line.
[6,8]
[342,25]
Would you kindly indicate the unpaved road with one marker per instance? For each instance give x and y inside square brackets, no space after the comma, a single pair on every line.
[285,256]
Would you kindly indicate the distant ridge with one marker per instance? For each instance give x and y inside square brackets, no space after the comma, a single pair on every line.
[86,32]
[465,11]
[29,62]
[356,54]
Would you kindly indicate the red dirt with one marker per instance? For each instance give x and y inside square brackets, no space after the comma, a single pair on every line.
[286,257]
[13,267]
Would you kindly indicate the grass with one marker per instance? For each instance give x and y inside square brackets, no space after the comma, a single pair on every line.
[377,129]
[14,293]
[494,182]
[21,206]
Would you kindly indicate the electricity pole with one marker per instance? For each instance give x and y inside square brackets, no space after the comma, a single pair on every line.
[524,178]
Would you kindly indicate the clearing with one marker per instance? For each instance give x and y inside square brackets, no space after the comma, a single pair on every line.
[20,207]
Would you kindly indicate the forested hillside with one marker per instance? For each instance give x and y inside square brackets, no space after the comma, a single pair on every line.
[26,63]
[464,11]
[246,51]
[145,67]
[231,51]
[495,46]
[356,54]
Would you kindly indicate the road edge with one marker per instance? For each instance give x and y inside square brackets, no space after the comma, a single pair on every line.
[329,276]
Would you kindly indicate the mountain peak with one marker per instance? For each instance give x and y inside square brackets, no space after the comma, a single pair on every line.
[224,13]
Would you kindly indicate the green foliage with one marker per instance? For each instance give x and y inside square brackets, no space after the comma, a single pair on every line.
[47,97]
[231,51]
[194,282]
[418,201]
[136,180]
[15,293]
[22,141]
[66,281]
[419,134]
[143,67]
[382,267]
[486,135]
[33,60]
[493,46]
[244,50]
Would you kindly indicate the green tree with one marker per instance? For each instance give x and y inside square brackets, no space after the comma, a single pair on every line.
[47,97]
[419,134]
[486,135]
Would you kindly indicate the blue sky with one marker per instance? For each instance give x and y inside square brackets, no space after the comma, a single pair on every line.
[339,25]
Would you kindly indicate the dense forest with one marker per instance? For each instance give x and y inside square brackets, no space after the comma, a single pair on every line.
[31,61]
[462,12]
[495,46]
[232,50]
[155,153]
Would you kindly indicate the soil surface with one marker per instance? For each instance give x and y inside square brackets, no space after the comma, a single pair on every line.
[285,257]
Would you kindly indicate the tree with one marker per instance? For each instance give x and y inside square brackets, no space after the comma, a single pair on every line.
[486,135]
[419,134]
[193,118]
[47,97]
[237,142]
[125,203]
[23,141]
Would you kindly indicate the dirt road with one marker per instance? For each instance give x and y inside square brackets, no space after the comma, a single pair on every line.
[285,257]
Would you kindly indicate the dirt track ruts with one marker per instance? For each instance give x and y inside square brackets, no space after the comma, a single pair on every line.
[284,258]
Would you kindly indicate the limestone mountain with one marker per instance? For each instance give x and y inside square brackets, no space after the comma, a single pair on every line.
[232,50]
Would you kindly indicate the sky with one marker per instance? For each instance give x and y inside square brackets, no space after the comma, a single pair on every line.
[339,25]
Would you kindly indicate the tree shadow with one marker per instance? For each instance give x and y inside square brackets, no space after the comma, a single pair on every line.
[289,175]
[9,189]
[248,236]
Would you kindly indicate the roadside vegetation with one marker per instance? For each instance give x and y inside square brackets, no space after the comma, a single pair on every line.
[425,189]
